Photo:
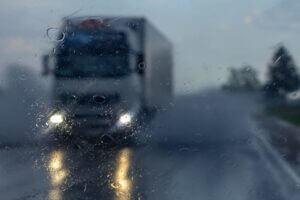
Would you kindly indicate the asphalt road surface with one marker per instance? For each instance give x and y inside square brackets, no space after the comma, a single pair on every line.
[203,147]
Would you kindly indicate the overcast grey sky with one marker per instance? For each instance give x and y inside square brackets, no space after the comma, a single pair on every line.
[208,36]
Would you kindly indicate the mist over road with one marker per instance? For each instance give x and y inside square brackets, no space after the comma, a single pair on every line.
[203,146]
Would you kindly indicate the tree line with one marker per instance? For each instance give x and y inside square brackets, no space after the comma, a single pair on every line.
[282,77]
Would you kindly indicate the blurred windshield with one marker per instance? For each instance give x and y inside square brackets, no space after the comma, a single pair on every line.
[150,100]
[92,66]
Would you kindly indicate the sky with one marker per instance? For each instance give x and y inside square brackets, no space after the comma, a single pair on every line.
[209,36]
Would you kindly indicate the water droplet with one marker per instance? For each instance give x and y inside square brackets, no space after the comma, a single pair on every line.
[142,65]
[224,157]
[52,34]
[294,94]
[283,140]
[184,149]
[22,77]
[99,99]
[249,141]
[251,191]
[284,154]
[277,60]
[74,97]
[115,185]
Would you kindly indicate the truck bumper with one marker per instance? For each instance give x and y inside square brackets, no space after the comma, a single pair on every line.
[124,126]
[83,130]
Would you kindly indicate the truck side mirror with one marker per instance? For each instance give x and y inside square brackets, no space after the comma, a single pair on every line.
[45,65]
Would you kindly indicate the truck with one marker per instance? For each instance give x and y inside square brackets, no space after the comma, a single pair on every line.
[107,75]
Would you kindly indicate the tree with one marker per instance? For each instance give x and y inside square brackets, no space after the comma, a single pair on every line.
[282,74]
[243,79]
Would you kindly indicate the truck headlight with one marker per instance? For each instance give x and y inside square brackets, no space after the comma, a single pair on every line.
[125,119]
[57,118]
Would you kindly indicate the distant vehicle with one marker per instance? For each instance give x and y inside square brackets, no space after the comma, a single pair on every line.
[107,74]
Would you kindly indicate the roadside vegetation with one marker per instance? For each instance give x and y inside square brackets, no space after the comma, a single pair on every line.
[282,80]
[288,113]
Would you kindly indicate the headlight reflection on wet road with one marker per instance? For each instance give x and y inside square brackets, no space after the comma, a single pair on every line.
[122,184]
[57,174]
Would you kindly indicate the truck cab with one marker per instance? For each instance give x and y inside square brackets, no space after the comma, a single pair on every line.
[99,77]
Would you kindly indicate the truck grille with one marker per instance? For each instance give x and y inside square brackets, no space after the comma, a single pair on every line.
[92,121]
[90,99]
[91,111]
[92,116]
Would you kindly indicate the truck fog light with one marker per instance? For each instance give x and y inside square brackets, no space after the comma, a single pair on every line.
[57,118]
[125,119]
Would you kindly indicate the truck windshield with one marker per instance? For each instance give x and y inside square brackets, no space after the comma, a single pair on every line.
[111,65]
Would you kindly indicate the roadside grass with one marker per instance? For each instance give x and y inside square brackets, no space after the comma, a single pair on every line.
[289,113]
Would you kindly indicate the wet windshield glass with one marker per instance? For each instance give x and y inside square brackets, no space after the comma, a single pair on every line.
[149,100]
[92,66]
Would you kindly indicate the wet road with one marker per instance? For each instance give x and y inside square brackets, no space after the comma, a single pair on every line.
[184,154]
